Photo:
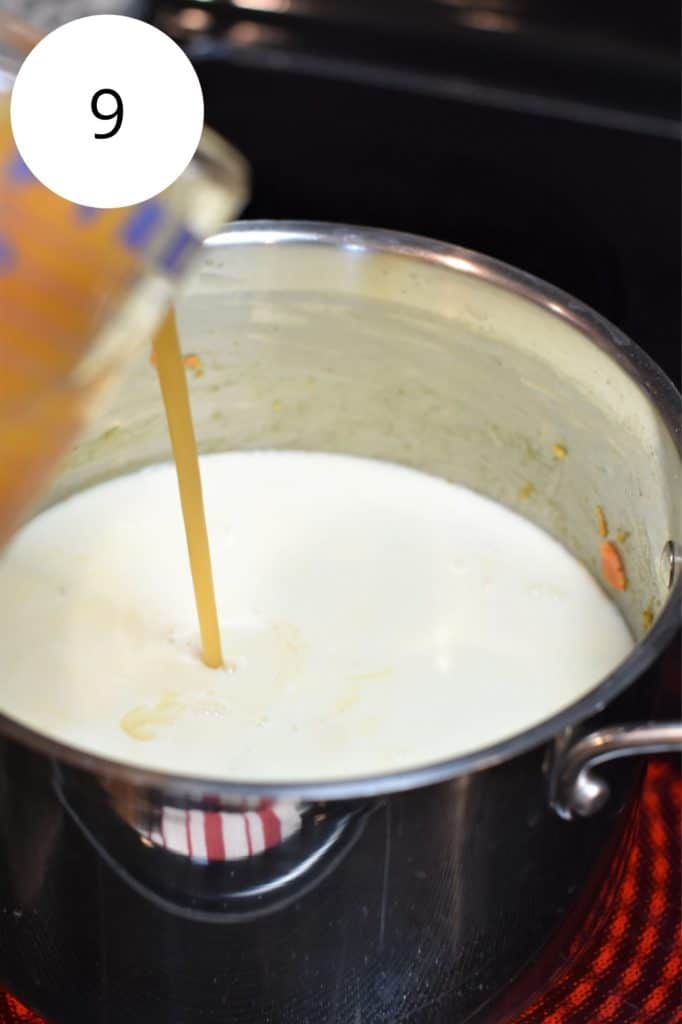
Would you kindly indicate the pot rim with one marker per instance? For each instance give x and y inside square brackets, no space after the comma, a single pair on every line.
[632,359]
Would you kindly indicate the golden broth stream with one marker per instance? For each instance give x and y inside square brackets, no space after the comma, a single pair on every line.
[176,401]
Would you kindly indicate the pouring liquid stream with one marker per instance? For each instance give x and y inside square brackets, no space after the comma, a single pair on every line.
[181,428]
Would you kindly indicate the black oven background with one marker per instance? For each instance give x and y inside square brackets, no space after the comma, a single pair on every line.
[542,135]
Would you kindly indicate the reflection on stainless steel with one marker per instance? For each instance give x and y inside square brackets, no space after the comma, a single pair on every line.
[251,33]
[489,21]
[193,19]
[271,6]
[577,791]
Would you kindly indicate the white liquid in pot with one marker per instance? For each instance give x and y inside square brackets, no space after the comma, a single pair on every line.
[375,617]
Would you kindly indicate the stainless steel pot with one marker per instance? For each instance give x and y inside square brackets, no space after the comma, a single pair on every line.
[418,896]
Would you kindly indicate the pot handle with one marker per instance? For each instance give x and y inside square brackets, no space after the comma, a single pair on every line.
[576,791]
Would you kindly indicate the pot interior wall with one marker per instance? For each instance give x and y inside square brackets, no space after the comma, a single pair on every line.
[338,346]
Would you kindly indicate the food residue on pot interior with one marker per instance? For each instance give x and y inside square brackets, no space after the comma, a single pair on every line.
[191,362]
[194,363]
[601,521]
[559,451]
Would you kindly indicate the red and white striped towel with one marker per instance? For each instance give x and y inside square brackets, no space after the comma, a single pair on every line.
[224,835]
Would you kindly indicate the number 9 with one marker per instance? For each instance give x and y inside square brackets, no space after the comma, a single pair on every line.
[117,113]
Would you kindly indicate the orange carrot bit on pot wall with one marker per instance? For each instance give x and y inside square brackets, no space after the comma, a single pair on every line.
[612,566]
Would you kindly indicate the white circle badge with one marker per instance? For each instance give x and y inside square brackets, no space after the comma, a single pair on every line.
[107,111]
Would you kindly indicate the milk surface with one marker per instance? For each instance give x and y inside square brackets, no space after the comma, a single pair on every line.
[372,618]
